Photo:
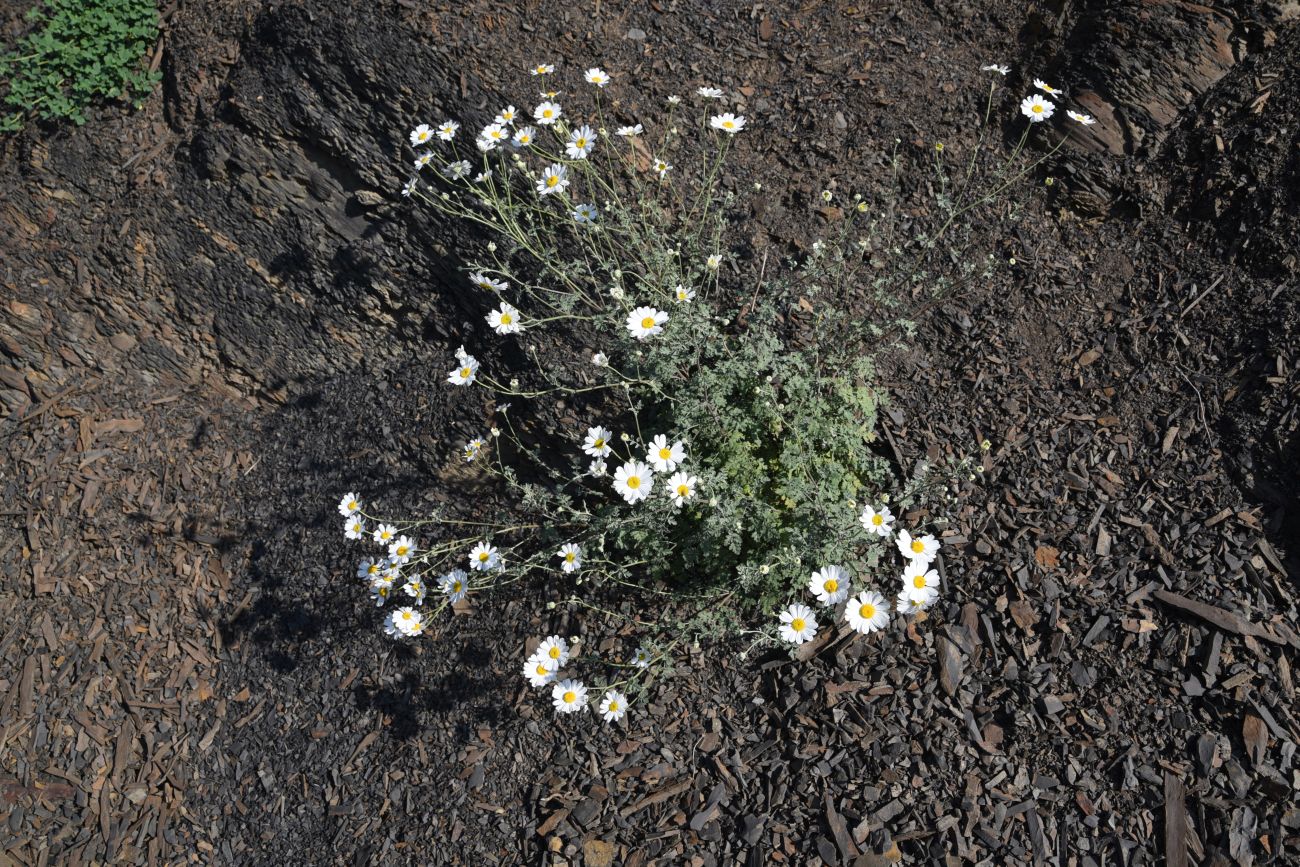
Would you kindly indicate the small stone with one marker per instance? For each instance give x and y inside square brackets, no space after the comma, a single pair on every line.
[636,34]
[123,342]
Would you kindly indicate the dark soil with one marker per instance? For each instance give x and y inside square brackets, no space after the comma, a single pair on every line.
[217,316]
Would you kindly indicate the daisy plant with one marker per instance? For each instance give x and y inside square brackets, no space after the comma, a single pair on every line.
[726,454]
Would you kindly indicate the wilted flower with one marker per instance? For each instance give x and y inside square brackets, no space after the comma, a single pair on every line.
[457,170]
[600,359]
[628,131]
[999,68]
[713,262]
[710,92]
[798,624]
[409,187]
[597,468]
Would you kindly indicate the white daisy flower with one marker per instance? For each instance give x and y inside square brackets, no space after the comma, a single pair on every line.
[919,580]
[415,589]
[710,92]
[409,187]
[681,487]
[880,522]
[507,116]
[580,143]
[384,534]
[538,672]
[369,569]
[466,372]
[505,320]
[1036,108]
[554,179]
[448,130]
[663,457]
[600,359]
[524,137]
[910,603]
[585,213]
[457,170]
[421,134]
[798,624]
[381,588]
[1046,88]
[354,527]
[405,621]
[454,585]
[646,322]
[349,505]
[597,76]
[483,556]
[1077,117]
[570,557]
[728,122]
[662,167]
[999,68]
[543,69]
[547,113]
[401,550]
[597,442]
[921,549]
[613,707]
[634,481]
[641,659]
[714,262]
[473,447]
[674,100]
[423,160]
[486,283]
[554,649]
[830,584]
[569,696]
[683,295]
[629,131]
[867,612]
[483,176]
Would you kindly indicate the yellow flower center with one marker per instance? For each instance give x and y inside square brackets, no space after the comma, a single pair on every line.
[552,180]
[374,567]
[553,653]
[831,585]
[867,611]
[580,143]
[613,706]
[727,124]
[665,454]
[525,139]
[483,556]
[634,482]
[918,546]
[506,319]
[1037,109]
[406,615]
[465,373]
[877,520]
[547,113]
[401,550]
[648,322]
[683,490]
[569,557]
[918,581]
[570,697]
[455,587]
[541,670]
[599,443]
[797,624]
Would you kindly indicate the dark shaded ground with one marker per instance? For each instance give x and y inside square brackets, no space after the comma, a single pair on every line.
[212,329]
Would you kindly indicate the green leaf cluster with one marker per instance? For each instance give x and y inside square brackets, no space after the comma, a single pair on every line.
[76,52]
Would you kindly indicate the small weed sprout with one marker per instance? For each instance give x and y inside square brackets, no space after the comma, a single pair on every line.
[729,450]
